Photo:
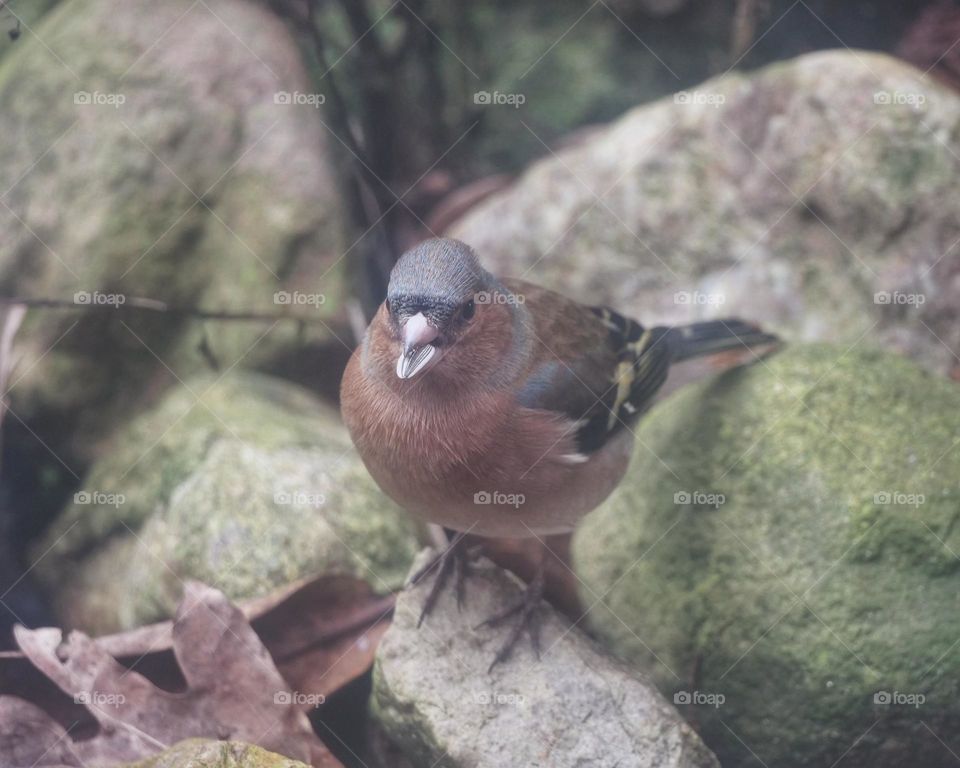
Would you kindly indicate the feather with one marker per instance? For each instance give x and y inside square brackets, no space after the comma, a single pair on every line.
[603,370]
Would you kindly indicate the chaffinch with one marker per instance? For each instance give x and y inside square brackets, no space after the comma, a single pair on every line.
[498,408]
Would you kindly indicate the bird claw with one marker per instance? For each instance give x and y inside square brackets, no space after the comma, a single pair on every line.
[454,558]
[527,605]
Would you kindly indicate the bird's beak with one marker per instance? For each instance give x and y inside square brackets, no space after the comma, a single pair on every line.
[417,349]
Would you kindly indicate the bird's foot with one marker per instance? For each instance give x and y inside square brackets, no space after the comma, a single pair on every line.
[454,559]
[526,606]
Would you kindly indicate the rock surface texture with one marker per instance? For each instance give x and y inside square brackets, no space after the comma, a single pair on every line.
[782,560]
[146,157]
[817,196]
[245,483]
[574,707]
[202,753]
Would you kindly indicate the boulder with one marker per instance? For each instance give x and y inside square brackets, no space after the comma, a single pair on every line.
[817,196]
[434,697]
[782,560]
[147,157]
[245,483]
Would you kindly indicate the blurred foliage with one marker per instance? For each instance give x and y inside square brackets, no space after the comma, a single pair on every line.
[409,70]
[419,65]
[402,77]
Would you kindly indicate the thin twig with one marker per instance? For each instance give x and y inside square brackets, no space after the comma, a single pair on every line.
[153,305]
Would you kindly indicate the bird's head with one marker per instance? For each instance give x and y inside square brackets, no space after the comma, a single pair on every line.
[445,311]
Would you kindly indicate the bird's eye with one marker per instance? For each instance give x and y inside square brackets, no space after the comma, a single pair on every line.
[468,310]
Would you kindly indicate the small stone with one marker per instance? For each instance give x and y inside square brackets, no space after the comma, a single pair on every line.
[203,753]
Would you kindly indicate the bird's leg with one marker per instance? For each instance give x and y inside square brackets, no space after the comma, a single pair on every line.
[454,558]
[526,606]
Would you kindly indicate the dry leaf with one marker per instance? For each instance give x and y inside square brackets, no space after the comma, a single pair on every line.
[322,633]
[28,737]
[232,691]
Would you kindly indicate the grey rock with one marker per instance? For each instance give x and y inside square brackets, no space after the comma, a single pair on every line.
[791,196]
[434,697]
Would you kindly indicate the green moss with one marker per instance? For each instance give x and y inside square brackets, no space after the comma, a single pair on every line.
[246,483]
[114,196]
[805,592]
[202,753]
[161,448]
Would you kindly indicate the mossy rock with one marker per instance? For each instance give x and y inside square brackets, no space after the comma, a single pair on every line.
[140,172]
[786,539]
[29,13]
[204,753]
[245,483]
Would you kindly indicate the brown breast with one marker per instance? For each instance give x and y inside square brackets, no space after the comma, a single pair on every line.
[476,463]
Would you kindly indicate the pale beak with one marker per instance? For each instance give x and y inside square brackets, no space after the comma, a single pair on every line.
[417,349]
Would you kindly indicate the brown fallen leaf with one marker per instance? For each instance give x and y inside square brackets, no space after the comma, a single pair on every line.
[232,690]
[325,633]
[322,633]
[28,737]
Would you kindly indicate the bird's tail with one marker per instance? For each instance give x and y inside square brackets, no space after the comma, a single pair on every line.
[707,338]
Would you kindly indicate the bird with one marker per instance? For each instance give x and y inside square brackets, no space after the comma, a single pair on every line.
[498,408]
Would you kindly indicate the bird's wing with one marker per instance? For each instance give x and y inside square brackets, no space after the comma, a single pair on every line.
[598,368]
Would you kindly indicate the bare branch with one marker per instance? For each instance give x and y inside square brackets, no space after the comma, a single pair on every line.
[153,305]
